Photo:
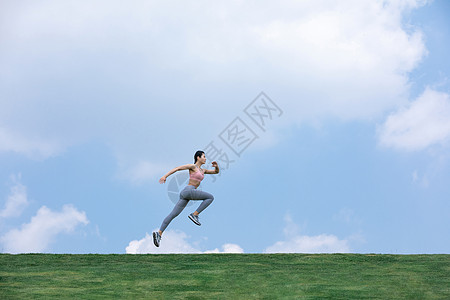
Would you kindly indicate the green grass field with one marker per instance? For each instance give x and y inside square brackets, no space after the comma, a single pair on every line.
[225,276]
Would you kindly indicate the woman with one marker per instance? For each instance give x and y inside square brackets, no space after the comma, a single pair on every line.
[190,192]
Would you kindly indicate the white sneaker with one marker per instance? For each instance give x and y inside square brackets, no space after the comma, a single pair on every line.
[194,219]
[156,238]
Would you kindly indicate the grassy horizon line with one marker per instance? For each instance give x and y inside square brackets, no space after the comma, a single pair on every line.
[225,276]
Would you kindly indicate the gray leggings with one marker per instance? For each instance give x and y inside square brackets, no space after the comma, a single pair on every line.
[188,193]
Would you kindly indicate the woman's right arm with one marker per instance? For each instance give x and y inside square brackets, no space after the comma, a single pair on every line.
[184,167]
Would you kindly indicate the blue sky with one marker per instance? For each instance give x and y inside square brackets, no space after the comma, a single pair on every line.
[99,99]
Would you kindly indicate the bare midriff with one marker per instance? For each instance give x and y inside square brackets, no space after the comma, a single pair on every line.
[194,182]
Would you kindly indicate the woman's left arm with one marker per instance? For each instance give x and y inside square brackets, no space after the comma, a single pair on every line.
[215,171]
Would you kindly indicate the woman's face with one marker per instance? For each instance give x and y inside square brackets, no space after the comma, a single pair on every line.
[203,158]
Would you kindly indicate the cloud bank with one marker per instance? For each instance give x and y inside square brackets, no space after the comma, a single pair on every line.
[41,231]
[227,248]
[421,124]
[323,243]
[17,200]
[297,243]
[103,70]
[174,241]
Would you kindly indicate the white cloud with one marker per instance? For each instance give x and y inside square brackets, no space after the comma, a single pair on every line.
[346,215]
[290,229]
[324,243]
[17,200]
[423,123]
[31,147]
[43,228]
[296,243]
[227,248]
[421,180]
[415,176]
[144,171]
[345,59]
[174,241]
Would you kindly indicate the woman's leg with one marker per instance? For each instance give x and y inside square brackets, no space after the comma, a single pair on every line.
[201,195]
[181,204]
[188,193]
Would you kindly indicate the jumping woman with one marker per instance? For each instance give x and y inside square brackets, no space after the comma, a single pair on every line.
[190,192]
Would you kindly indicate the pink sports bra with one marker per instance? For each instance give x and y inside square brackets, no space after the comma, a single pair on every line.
[197,175]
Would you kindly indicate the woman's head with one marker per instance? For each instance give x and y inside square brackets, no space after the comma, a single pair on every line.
[198,154]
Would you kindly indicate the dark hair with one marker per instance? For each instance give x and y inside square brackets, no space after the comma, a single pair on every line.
[199,153]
